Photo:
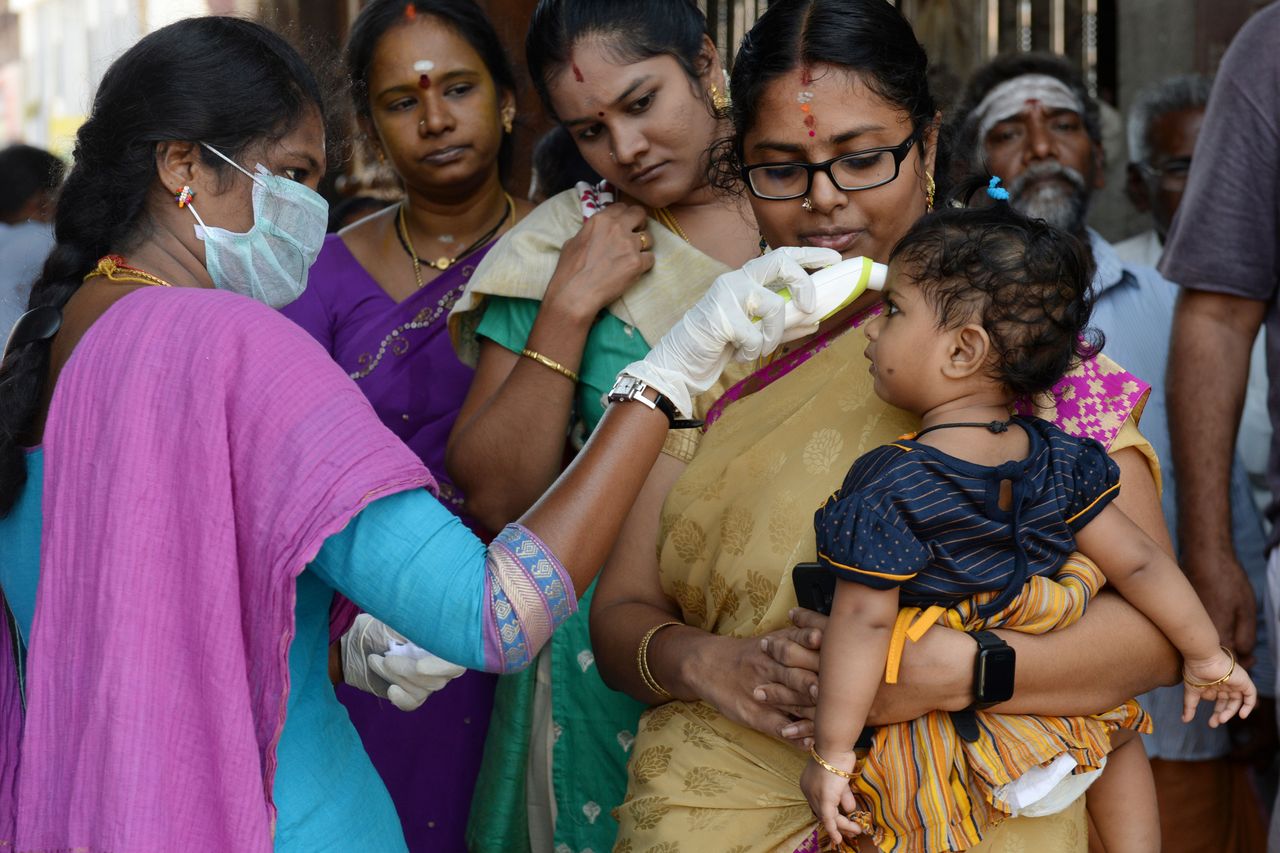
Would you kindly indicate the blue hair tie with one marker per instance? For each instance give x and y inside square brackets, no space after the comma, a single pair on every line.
[996,191]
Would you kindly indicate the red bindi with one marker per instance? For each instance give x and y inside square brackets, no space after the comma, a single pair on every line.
[424,82]
[601,115]
[410,12]
[577,72]
[810,122]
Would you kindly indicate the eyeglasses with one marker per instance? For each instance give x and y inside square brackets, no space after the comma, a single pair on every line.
[1172,175]
[860,170]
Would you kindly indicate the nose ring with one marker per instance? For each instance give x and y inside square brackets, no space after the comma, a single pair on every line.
[422,124]
[613,157]
[806,205]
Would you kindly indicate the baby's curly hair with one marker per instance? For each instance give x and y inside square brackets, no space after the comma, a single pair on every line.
[1025,281]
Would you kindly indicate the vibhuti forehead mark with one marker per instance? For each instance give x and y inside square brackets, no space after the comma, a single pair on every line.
[424,68]
[810,121]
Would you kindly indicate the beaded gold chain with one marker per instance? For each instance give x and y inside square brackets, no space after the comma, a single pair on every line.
[116,268]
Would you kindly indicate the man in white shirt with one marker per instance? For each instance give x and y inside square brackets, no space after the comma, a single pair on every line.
[29,181]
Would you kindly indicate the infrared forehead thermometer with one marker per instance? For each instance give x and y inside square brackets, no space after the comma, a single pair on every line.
[837,287]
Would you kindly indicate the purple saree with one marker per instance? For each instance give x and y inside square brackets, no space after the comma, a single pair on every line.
[400,356]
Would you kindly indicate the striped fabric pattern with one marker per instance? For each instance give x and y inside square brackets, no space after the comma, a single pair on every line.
[929,790]
[909,515]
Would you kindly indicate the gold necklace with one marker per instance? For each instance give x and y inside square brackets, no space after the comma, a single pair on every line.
[443,263]
[116,268]
[668,219]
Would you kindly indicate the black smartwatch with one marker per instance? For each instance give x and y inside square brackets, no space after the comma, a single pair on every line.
[992,671]
[992,682]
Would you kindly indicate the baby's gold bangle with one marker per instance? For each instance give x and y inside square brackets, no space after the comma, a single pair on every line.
[642,660]
[831,768]
[551,363]
[1223,680]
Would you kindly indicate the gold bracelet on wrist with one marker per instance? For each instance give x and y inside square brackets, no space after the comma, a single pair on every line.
[1223,680]
[551,363]
[831,768]
[642,660]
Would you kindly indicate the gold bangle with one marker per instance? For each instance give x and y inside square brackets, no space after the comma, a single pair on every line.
[642,659]
[1205,685]
[831,768]
[554,365]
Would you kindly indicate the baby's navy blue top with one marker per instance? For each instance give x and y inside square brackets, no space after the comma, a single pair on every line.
[909,515]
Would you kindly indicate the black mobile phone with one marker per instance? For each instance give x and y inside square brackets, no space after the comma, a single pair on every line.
[815,587]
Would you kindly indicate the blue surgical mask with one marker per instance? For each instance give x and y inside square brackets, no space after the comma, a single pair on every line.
[269,262]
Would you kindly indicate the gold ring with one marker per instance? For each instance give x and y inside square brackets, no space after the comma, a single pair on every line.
[644,241]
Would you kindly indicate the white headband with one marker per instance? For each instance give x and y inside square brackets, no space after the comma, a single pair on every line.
[1012,97]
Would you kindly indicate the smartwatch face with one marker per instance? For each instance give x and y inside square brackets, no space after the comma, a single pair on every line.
[995,675]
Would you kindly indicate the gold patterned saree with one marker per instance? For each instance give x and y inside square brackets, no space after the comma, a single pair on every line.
[734,524]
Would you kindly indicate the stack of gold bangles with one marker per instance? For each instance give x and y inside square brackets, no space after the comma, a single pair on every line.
[642,659]
[1199,685]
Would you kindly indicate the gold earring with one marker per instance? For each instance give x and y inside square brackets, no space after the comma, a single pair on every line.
[806,205]
[720,101]
[929,188]
[508,120]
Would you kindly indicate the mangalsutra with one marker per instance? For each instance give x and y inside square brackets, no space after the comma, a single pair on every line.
[443,263]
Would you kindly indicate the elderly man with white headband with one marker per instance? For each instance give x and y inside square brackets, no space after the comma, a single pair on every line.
[1029,119]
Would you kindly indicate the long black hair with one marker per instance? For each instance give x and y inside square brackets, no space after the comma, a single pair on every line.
[464,17]
[869,37]
[630,30]
[226,81]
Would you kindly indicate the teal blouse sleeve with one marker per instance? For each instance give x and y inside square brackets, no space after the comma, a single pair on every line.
[410,562]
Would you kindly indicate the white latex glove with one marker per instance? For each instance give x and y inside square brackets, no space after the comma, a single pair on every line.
[380,661]
[740,317]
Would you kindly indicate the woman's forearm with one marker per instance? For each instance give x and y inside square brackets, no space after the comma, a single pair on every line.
[580,516]
[1111,655]
[617,632]
[506,451]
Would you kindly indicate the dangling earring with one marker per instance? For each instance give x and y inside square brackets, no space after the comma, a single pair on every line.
[720,101]
[764,245]
[929,189]
[806,205]
[508,119]
[184,196]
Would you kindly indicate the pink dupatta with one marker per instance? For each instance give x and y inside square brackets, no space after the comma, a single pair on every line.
[199,449]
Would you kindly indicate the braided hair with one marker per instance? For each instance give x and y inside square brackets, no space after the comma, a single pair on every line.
[226,81]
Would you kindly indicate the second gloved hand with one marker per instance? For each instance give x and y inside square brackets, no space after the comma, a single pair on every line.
[378,660]
[741,316]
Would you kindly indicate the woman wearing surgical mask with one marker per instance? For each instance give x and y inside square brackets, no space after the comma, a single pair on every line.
[435,97]
[186,480]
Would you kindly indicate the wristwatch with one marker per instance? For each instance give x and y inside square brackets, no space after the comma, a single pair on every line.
[631,388]
[992,682]
[992,670]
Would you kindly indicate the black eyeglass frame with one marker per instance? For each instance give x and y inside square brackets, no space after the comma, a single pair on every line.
[898,151]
